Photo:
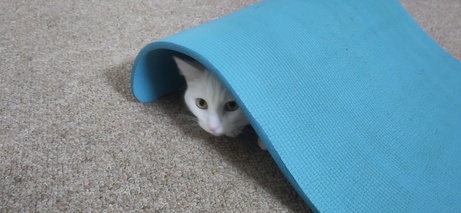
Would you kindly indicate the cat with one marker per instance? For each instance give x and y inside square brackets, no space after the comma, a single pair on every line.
[212,104]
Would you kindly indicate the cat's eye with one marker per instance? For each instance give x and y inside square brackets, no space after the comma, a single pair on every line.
[231,106]
[201,103]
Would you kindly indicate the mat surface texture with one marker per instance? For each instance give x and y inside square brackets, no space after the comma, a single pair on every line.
[358,106]
[74,139]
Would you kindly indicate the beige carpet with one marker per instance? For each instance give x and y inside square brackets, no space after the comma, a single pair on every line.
[74,139]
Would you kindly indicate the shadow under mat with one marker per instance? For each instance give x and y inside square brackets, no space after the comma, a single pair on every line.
[242,151]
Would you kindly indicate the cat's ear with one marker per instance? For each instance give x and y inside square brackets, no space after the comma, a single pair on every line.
[187,69]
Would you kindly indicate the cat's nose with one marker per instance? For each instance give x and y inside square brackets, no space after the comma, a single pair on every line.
[216,129]
[214,125]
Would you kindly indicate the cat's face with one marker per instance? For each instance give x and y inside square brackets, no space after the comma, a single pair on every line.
[210,102]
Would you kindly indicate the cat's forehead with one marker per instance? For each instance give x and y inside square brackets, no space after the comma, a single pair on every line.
[214,95]
[210,89]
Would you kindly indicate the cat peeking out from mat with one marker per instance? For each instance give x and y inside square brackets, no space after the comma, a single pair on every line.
[215,109]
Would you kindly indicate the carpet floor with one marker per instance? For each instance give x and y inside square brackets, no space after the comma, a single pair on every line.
[73,138]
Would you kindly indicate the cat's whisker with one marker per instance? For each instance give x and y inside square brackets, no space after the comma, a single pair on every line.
[245,130]
[188,117]
[192,124]
[248,132]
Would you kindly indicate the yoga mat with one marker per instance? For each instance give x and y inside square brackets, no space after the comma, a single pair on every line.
[360,109]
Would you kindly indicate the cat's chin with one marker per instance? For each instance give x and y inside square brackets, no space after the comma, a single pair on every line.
[233,134]
[217,134]
[228,134]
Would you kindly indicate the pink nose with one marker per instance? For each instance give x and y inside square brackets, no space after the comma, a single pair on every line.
[216,129]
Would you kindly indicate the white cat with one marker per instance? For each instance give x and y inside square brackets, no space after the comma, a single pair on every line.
[216,110]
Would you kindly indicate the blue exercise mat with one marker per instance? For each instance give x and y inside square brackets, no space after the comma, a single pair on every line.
[359,107]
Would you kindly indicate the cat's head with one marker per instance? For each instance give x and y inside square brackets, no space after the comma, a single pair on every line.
[216,110]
